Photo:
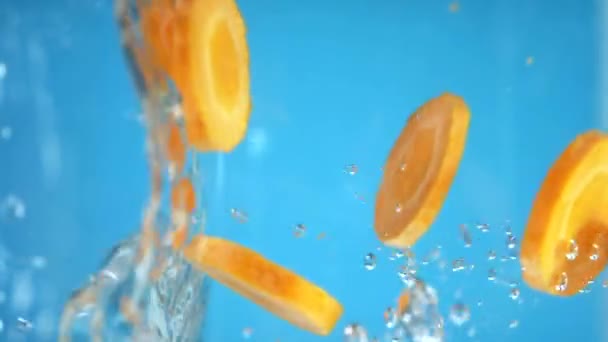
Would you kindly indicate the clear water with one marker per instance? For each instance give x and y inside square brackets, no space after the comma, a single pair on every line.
[81,180]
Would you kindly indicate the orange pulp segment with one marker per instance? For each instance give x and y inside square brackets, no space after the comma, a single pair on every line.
[565,244]
[183,196]
[202,46]
[277,289]
[419,170]
[403,302]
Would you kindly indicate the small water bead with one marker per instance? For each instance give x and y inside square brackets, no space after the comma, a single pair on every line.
[508,231]
[242,216]
[299,230]
[6,133]
[513,283]
[572,252]
[13,207]
[390,317]
[562,284]
[491,274]
[605,283]
[403,167]
[491,255]
[247,332]
[351,169]
[514,293]
[458,265]
[398,208]
[513,324]
[466,236]
[355,333]
[511,241]
[23,324]
[483,227]
[407,276]
[596,252]
[369,262]
[459,314]
[398,253]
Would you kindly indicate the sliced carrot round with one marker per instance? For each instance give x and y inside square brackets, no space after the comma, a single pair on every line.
[271,286]
[565,244]
[420,169]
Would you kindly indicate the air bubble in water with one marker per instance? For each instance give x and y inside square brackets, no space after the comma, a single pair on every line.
[466,236]
[596,252]
[369,262]
[247,333]
[459,314]
[605,283]
[483,227]
[239,215]
[491,255]
[2,71]
[398,208]
[458,265]
[562,284]
[572,252]
[299,230]
[6,133]
[511,241]
[513,324]
[13,207]
[390,317]
[355,333]
[23,324]
[514,293]
[491,274]
[351,169]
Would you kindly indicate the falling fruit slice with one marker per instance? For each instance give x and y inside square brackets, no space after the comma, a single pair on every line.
[202,46]
[271,286]
[419,170]
[565,244]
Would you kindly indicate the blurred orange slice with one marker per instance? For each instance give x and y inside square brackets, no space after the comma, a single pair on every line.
[271,286]
[420,169]
[202,46]
[565,244]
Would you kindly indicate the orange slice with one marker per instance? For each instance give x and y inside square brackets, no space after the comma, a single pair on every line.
[420,169]
[565,244]
[202,46]
[269,285]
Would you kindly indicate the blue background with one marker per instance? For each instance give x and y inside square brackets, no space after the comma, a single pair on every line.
[332,84]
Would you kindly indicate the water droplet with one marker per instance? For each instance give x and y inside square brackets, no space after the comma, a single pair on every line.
[459,314]
[491,274]
[596,252]
[247,332]
[513,324]
[369,262]
[299,230]
[514,293]
[466,236]
[605,283]
[572,252]
[562,284]
[6,133]
[239,215]
[508,231]
[38,262]
[491,255]
[13,207]
[390,317]
[511,241]
[351,169]
[399,254]
[403,167]
[514,283]
[483,227]
[458,265]
[355,333]
[407,276]
[398,208]
[23,324]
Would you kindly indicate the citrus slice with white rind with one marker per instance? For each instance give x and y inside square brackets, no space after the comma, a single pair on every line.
[565,244]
